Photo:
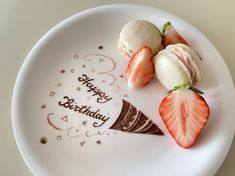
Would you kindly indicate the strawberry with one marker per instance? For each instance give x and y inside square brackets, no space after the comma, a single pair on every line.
[171,36]
[140,70]
[184,113]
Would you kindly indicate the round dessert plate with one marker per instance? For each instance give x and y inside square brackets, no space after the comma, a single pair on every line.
[72,113]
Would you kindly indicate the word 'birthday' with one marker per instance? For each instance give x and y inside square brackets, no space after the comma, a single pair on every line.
[102,97]
[84,109]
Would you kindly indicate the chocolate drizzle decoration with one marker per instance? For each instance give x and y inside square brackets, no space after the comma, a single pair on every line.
[133,121]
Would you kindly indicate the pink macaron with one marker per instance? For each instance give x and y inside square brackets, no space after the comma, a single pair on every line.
[177,65]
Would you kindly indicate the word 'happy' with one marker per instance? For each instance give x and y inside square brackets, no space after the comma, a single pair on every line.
[102,97]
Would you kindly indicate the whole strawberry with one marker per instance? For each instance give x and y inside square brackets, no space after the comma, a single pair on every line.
[184,113]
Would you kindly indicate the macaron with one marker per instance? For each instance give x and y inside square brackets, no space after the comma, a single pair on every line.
[137,34]
[177,65]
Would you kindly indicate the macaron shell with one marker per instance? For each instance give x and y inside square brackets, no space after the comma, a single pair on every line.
[194,59]
[137,34]
[170,71]
[189,49]
[127,54]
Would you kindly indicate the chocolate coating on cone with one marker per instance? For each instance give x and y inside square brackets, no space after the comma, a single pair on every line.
[133,121]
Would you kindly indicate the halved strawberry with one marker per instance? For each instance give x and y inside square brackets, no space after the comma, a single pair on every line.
[171,36]
[140,70]
[184,113]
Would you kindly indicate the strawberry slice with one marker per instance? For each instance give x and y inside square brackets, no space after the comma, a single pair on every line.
[184,113]
[140,70]
[171,36]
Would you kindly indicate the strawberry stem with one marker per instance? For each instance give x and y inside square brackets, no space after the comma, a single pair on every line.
[166,26]
[187,87]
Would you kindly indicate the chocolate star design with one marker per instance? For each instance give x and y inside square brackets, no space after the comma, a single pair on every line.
[43,106]
[84,122]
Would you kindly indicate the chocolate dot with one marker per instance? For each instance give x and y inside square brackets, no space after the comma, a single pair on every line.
[43,140]
[100,47]
[58,85]
[121,76]
[98,142]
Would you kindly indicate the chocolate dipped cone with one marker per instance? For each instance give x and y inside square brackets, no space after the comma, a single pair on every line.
[133,121]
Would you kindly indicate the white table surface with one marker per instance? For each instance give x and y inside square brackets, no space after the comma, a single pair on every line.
[23,22]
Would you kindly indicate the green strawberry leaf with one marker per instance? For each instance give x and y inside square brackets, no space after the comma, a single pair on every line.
[187,87]
[166,26]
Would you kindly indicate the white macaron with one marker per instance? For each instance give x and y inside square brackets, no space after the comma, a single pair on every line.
[137,34]
[177,65]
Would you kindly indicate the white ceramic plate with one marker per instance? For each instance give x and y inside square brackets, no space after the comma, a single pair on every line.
[57,140]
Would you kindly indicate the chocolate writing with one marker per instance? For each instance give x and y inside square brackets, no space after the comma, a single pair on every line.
[83,109]
[102,97]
